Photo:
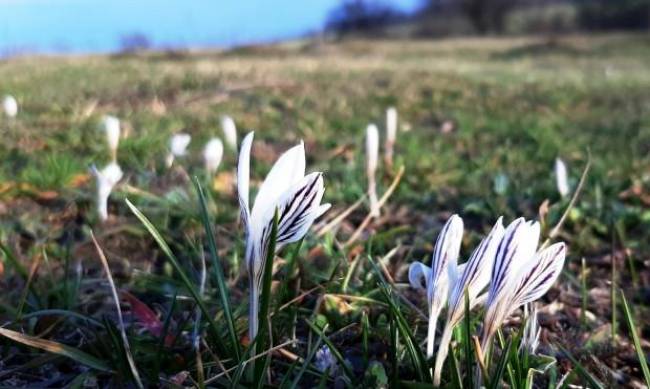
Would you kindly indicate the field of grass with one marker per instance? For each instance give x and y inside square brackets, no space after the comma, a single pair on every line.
[514,105]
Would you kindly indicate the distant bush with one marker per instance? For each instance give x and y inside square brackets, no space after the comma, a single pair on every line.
[134,42]
[560,17]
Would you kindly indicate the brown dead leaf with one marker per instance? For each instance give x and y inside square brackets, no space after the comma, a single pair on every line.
[224,183]
[157,106]
[79,180]
[543,210]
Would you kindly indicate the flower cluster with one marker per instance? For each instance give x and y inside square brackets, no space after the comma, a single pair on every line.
[506,263]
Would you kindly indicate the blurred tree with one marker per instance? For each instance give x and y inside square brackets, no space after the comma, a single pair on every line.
[362,17]
[487,15]
[614,14]
[133,42]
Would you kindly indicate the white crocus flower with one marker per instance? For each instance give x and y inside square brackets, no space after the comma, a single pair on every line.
[372,155]
[297,199]
[10,106]
[519,274]
[111,125]
[212,154]
[106,178]
[391,135]
[229,131]
[177,147]
[474,278]
[561,177]
[436,277]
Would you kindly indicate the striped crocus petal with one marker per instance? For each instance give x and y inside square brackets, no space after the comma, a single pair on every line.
[515,251]
[298,209]
[538,279]
[475,275]
[445,251]
[243,179]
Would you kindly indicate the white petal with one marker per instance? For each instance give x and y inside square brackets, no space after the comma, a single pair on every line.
[446,249]
[287,171]
[419,275]
[539,279]
[106,178]
[243,177]
[515,252]
[476,274]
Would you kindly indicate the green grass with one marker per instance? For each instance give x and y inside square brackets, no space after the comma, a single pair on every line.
[516,104]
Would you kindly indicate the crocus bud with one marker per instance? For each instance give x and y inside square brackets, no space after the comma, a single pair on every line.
[372,155]
[229,131]
[212,154]
[391,135]
[10,106]
[561,177]
[177,147]
[112,127]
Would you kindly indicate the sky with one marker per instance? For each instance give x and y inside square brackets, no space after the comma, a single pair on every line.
[97,26]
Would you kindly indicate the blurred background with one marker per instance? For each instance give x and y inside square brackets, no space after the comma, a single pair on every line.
[92,26]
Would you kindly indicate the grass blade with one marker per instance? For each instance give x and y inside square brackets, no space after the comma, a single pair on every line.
[14,261]
[346,368]
[218,271]
[418,359]
[120,319]
[306,362]
[455,371]
[635,337]
[593,382]
[467,335]
[177,267]
[495,380]
[56,348]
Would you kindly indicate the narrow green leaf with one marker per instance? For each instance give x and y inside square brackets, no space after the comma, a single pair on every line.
[307,361]
[218,271]
[177,267]
[495,380]
[57,348]
[635,337]
[455,370]
[13,261]
[346,368]
[418,359]
[467,343]
[365,331]
[595,383]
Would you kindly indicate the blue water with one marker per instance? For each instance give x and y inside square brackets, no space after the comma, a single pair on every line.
[93,26]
